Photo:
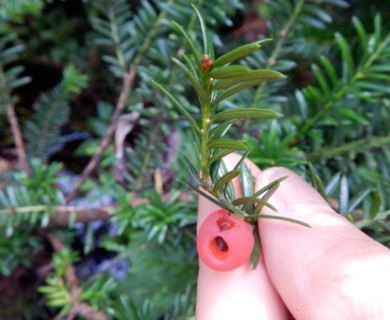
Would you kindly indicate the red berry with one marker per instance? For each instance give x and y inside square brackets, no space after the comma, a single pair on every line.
[225,241]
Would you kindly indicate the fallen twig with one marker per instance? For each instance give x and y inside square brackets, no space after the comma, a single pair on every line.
[121,104]
[78,308]
[63,214]
[17,136]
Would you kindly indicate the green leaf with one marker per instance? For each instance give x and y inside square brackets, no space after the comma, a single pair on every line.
[244,113]
[228,189]
[330,69]
[378,76]
[358,199]
[193,80]
[194,171]
[363,37]
[331,186]
[225,179]
[318,14]
[249,76]
[321,79]
[375,205]
[344,196]
[313,93]
[380,68]
[207,44]
[177,104]
[219,130]
[373,86]
[353,115]
[73,80]
[19,82]
[205,194]
[346,55]
[270,139]
[235,89]
[378,28]
[253,200]
[227,205]
[238,53]
[229,72]
[247,185]
[189,63]
[268,191]
[190,43]
[302,103]
[268,216]
[317,182]
[227,144]
[219,155]
[11,52]
[243,157]
[255,255]
[246,180]
[379,217]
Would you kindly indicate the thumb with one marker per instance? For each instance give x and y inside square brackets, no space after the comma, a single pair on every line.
[329,271]
[241,293]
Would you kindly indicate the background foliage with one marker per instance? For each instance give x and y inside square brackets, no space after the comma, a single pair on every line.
[94,223]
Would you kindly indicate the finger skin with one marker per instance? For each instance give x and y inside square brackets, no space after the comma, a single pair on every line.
[329,271]
[238,294]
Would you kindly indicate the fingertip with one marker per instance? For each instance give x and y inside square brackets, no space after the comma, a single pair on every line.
[293,190]
[241,293]
[294,198]
[205,206]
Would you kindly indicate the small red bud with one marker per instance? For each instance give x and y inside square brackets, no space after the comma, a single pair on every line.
[206,64]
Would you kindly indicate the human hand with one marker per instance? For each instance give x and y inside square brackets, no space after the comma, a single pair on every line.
[331,271]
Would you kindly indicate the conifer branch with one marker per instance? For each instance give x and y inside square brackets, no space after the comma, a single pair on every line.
[271,61]
[330,102]
[61,215]
[355,146]
[151,35]
[284,32]
[78,308]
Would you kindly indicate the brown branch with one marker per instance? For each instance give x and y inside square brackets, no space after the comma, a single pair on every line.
[62,214]
[78,308]
[86,311]
[121,104]
[17,136]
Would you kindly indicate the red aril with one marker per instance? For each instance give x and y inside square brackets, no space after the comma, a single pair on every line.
[225,241]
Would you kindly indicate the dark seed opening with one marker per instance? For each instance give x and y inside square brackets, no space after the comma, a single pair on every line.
[221,244]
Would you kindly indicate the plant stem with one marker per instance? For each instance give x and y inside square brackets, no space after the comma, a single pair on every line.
[72,286]
[151,35]
[275,53]
[17,135]
[191,24]
[321,112]
[116,38]
[357,146]
[147,156]
[121,104]
[61,214]
[205,133]
[359,74]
